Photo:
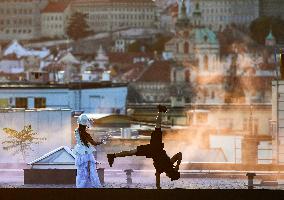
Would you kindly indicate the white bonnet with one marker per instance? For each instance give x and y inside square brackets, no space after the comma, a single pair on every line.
[83,119]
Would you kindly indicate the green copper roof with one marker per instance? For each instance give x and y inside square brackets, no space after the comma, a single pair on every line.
[204,35]
[270,36]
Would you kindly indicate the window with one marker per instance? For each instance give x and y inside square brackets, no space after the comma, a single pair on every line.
[4,103]
[175,76]
[187,76]
[205,62]
[186,48]
[21,102]
[40,102]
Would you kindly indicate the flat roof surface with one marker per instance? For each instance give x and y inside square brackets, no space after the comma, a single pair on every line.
[73,85]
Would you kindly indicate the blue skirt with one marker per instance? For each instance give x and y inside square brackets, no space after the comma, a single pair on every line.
[84,179]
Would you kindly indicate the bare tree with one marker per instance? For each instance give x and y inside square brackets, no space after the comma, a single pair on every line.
[21,142]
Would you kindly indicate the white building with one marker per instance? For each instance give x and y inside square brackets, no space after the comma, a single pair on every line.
[20,51]
[11,64]
[102,97]
[54,19]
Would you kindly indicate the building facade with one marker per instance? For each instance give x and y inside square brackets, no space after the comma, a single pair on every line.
[54,19]
[20,19]
[276,126]
[217,14]
[113,15]
[90,98]
[271,8]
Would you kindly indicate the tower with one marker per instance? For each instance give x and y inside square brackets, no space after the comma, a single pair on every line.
[196,14]
[183,21]
[270,39]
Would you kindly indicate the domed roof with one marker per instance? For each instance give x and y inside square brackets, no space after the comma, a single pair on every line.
[204,35]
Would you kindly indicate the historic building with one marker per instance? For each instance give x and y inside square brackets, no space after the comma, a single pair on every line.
[54,19]
[114,15]
[154,81]
[20,19]
[197,49]
[271,8]
[241,77]
[217,14]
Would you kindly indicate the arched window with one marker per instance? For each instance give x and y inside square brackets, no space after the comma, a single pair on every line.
[186,48]
[205,61]
[186,76]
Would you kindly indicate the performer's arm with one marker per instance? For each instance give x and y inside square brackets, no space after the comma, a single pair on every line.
[158,120]
[94,143]
[161,110]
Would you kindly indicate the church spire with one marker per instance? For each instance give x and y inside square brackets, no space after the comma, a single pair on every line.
[183,20]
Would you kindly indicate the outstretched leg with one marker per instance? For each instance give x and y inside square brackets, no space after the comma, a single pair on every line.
[177,158]
[111,157]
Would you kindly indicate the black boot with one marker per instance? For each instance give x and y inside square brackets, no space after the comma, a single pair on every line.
[110,158]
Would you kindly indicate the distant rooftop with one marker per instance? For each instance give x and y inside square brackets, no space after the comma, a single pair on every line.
[113,1]
[55,7]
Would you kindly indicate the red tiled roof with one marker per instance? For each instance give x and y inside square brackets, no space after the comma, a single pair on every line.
[55,7]
[133,73]
[255,83]
[54,67]
[12,56]
[12,76]
[127,58]
[159,71]
[267,66]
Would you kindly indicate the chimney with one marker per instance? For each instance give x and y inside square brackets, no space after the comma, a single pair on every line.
[106,76]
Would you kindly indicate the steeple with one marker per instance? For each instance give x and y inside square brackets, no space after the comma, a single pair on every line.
[183,20]
[270,39]
[196,15]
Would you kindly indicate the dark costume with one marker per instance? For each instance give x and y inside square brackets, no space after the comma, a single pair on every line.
[155,150]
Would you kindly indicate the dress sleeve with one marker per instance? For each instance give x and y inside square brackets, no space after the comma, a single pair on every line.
[77,136]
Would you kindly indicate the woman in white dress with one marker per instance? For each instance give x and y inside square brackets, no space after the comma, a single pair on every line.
[87,176]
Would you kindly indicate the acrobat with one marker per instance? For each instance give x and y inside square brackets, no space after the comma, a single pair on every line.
[155,150]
